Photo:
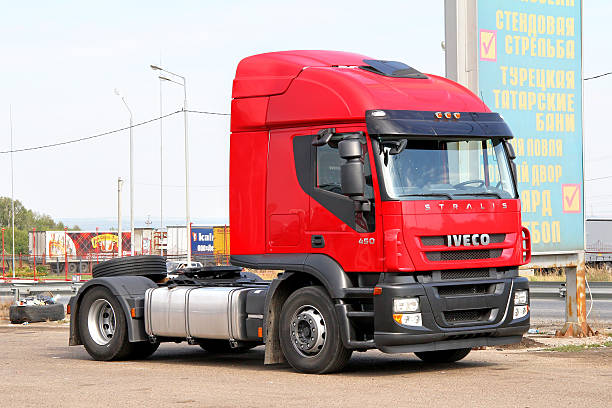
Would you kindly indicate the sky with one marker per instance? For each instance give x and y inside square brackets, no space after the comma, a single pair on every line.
[62,62]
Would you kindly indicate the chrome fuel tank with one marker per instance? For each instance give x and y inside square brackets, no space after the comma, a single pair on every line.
[198,312]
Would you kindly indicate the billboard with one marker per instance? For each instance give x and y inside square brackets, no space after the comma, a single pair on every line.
[530,70]
[202,240]
[77,244]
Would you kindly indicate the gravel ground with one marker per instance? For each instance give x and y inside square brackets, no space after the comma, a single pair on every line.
[39,369]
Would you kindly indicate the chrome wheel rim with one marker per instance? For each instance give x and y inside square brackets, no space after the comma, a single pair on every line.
[308,331]
[101,321]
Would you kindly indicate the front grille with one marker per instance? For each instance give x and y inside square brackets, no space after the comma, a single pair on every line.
[461,316]
[464,274]
[433,241]
[439,240]
[436,256]
[462,290]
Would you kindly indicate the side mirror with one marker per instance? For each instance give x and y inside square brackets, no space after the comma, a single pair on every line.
[351,173]
[509,149]
[511,156]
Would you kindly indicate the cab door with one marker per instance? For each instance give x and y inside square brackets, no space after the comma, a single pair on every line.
[353,239]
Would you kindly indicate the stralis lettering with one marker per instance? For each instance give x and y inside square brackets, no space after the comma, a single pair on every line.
[469,206]
[467,240]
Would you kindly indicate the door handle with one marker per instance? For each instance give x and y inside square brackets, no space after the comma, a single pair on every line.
[317,241]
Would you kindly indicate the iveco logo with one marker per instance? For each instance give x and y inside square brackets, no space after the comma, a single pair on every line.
[468,240]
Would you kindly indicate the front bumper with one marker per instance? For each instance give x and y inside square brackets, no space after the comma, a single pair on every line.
[455,314]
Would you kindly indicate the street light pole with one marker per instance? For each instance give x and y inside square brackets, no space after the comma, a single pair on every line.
[131,174]
[187,209]
[119,236]
[161,159]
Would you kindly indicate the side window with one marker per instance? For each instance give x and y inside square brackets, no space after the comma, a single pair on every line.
[328,171]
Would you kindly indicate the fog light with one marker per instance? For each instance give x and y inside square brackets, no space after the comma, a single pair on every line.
[520,311]
[401,305]
[521,297]
[408,319]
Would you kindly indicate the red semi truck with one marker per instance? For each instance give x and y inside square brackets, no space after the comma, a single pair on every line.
[387,196]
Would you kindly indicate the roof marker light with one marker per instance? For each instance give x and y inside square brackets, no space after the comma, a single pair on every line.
[457,115]
[438,115]
[378,113]
[447,115]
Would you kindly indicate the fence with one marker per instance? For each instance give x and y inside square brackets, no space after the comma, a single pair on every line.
[71,255]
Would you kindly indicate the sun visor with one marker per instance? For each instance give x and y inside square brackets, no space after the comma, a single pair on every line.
[427,123]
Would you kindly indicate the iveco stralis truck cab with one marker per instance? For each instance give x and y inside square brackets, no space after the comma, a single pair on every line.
[391,190]
[386,196]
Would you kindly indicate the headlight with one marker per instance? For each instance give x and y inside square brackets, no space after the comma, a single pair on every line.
[521,297]
[402,305]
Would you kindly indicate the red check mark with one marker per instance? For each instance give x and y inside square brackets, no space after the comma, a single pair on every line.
[488,46]
[570,199]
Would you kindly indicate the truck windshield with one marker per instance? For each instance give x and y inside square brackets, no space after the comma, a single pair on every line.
[445,169]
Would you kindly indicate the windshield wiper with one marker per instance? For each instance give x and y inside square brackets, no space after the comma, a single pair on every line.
[427,195]
[478,194]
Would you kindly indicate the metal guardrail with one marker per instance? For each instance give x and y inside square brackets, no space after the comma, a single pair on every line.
[22,288]
[540,290]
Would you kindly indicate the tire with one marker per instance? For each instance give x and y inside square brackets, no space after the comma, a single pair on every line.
[143,349]
[223,346]
[443,356]
[84,268]
[36,313]
[150,266]
[103,326]
[73,268]
[310,334]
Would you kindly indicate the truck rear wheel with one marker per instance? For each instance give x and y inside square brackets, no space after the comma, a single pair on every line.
[443,356]
[310,334]
[103,326]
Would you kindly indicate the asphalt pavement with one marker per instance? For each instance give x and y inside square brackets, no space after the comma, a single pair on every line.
[38,369]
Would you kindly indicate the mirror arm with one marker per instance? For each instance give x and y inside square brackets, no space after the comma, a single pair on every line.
[323,136]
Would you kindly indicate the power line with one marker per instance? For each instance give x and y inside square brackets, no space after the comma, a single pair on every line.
[598,76]
[598,178]
[209,113]
[110,132]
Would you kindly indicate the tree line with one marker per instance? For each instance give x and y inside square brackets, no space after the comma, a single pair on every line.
[25,220]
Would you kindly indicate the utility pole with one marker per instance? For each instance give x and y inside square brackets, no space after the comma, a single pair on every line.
[120,244]
[12,191]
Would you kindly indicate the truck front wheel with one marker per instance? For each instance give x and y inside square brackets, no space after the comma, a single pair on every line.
[103,326]
[310,334]
[443,356]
